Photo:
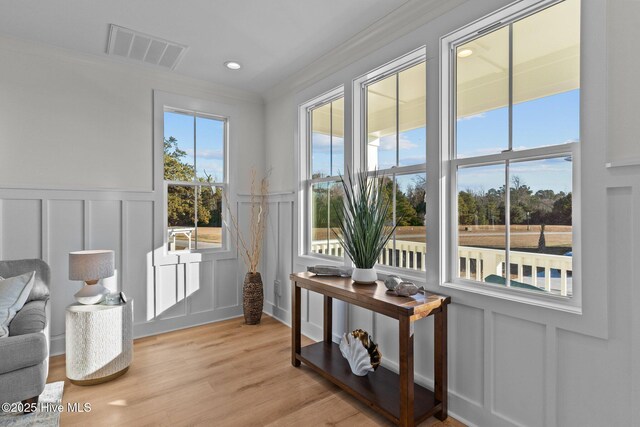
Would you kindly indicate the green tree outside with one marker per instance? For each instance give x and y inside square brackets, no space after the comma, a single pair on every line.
[527,207]
[181,199]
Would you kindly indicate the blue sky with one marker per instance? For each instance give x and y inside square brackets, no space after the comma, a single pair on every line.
[549,174]
[541,122]
[323,149]
[412,151]
[209,152]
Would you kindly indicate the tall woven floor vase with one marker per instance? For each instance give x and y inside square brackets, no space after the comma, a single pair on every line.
[252,298]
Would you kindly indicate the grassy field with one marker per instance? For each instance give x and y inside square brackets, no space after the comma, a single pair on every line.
[558,237]
[208,237]
[210,234]
[523,238]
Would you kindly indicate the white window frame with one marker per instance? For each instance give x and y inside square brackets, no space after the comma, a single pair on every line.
[214,185]
[164,101]
[306,174]
[449,164]
[360,150]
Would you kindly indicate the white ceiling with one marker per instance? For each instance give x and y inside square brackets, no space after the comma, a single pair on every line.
[271,38]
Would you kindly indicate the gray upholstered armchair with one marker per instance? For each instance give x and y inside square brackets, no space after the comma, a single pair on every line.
[24,354]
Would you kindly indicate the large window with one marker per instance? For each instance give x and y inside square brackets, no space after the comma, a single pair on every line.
[396,145]
[195,178]
[513,129]
[325,124]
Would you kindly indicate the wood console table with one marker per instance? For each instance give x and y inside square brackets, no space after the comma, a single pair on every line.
[394,396]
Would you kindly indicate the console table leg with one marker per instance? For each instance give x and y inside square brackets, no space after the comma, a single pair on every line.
[440,361]
[406,372]
[295,323]
[328,319]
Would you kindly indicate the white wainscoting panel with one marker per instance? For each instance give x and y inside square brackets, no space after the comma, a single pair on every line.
[228,285]
[200,287]
[170,301]
[586,377]
[271,254]
[278,259]
[104,231]
[518,368]
[466,352]
[385,331]
[49,224]
[65,232]
[285,253]
[137,268]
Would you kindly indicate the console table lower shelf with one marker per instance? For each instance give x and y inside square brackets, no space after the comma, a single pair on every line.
[380,390]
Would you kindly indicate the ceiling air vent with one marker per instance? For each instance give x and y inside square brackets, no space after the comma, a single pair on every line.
[141,47]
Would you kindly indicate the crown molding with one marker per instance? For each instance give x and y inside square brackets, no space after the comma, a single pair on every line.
[401,21]
[30,47]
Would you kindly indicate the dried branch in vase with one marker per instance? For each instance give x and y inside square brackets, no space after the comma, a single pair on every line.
[252,251]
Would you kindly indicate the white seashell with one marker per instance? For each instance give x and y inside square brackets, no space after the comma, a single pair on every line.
[392,282]
[357,356]
[406,289]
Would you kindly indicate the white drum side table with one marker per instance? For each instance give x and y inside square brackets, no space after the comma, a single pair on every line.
[99,342]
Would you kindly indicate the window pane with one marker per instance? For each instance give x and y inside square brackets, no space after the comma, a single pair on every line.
[181,217]
[178,147]
[541,229]
[326,197]
[382,124]
[319,218]
[336,196]
[388,255]
[209,233]
[482,95]
[412,115]
[210,149]
[337,137]
[410,235]
[321,141]
[546,77]
[481,223]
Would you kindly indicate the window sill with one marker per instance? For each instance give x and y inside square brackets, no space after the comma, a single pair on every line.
[552,302]
[185,257]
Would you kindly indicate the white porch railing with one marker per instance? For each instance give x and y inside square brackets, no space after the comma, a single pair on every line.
[478,263]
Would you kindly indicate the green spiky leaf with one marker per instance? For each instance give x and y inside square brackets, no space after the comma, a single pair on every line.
[362,218]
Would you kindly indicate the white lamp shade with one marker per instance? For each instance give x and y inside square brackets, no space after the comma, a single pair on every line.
[91,265]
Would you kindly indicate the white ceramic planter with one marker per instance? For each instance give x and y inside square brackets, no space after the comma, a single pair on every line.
[364,275]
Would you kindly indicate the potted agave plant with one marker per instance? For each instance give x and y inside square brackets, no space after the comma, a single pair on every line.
[363,232]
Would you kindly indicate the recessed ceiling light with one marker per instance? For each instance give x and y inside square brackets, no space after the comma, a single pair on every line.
[464,53]
[232,65]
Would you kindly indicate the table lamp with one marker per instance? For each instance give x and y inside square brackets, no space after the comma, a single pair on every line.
[91,266]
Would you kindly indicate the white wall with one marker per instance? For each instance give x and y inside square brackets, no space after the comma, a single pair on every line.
[511,364]
[76,165]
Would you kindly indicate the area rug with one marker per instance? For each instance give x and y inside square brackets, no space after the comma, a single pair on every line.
[47,415]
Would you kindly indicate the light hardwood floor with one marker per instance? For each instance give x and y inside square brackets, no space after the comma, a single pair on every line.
[222,374]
